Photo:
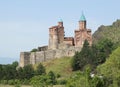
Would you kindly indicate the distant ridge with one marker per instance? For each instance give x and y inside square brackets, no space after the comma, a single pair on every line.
[6,60]
[111,32]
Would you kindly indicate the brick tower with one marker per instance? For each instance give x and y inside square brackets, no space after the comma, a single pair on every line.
[82,33]
[56,35]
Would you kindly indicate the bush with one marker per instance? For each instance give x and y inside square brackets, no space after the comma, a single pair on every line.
[4,82]
[62,82]
[51,78]
[39,81]
[34,50]
[11,82]
[17,83]
[26,82]
[58,75]
[40,69]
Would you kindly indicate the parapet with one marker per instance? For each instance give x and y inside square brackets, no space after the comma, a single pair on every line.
[43,48]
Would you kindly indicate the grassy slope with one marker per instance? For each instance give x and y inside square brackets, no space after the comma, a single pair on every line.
[26,86]
[60,66]
[12,86]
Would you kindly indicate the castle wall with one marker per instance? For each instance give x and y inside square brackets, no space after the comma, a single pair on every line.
[41,56]
[24,58]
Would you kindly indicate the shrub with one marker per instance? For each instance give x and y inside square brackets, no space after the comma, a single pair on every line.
[4,82]
[11,82]
[34,50]
[62,82]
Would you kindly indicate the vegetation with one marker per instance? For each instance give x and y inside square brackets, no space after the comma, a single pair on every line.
[110,70]
[111,32]
[93,55]
[34,50]
[62,66]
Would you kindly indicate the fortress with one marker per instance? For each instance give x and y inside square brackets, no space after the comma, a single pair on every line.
[59,45]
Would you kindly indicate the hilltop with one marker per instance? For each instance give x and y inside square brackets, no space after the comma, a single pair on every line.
[111,32]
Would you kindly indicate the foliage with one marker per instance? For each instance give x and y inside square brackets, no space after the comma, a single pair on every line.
[102,50]
[43,80]
[93,56]
[97,82]
[111,69]
[83,79]
[62,82]
[111,32]
[79,79]
[34,50]
[39,81]
[83,57]
[8,71]
[28,71]
[52,78]
[40,69]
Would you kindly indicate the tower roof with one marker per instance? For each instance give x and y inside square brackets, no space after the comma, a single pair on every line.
[82,18]
[60,20]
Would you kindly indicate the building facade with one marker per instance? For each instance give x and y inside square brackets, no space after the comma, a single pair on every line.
[56,35]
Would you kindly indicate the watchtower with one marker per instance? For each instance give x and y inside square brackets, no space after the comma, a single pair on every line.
[56,35]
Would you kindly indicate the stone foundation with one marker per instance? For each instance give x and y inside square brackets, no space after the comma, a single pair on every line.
[41,56]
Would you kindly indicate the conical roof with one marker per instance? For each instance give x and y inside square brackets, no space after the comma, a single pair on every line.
[60,20]
[82,18]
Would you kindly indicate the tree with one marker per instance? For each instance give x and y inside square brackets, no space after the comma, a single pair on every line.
[28,71]
[103,50]
[82,58]
[20,73]
[39,81]
[111,69]
[40,69]
[1,72]
[51,78]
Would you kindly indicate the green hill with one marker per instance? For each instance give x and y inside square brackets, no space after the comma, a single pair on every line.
[111,32]
[61,66]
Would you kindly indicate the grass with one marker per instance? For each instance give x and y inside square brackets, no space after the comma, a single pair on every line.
[26,86]
[12,85]
[60,66]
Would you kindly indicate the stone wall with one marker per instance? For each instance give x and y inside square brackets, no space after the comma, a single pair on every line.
[41,56]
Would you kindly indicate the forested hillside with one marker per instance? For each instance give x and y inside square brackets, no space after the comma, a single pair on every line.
[111,32]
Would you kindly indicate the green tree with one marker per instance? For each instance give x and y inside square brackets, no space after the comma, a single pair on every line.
[1,72]
[40,69]
[28,71]
[51,78]
[97,82]
[39,81]
[102,50]
[9,72]
[82,58]
[20,73]
[111,69]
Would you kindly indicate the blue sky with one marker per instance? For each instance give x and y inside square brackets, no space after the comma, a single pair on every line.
[24,23]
